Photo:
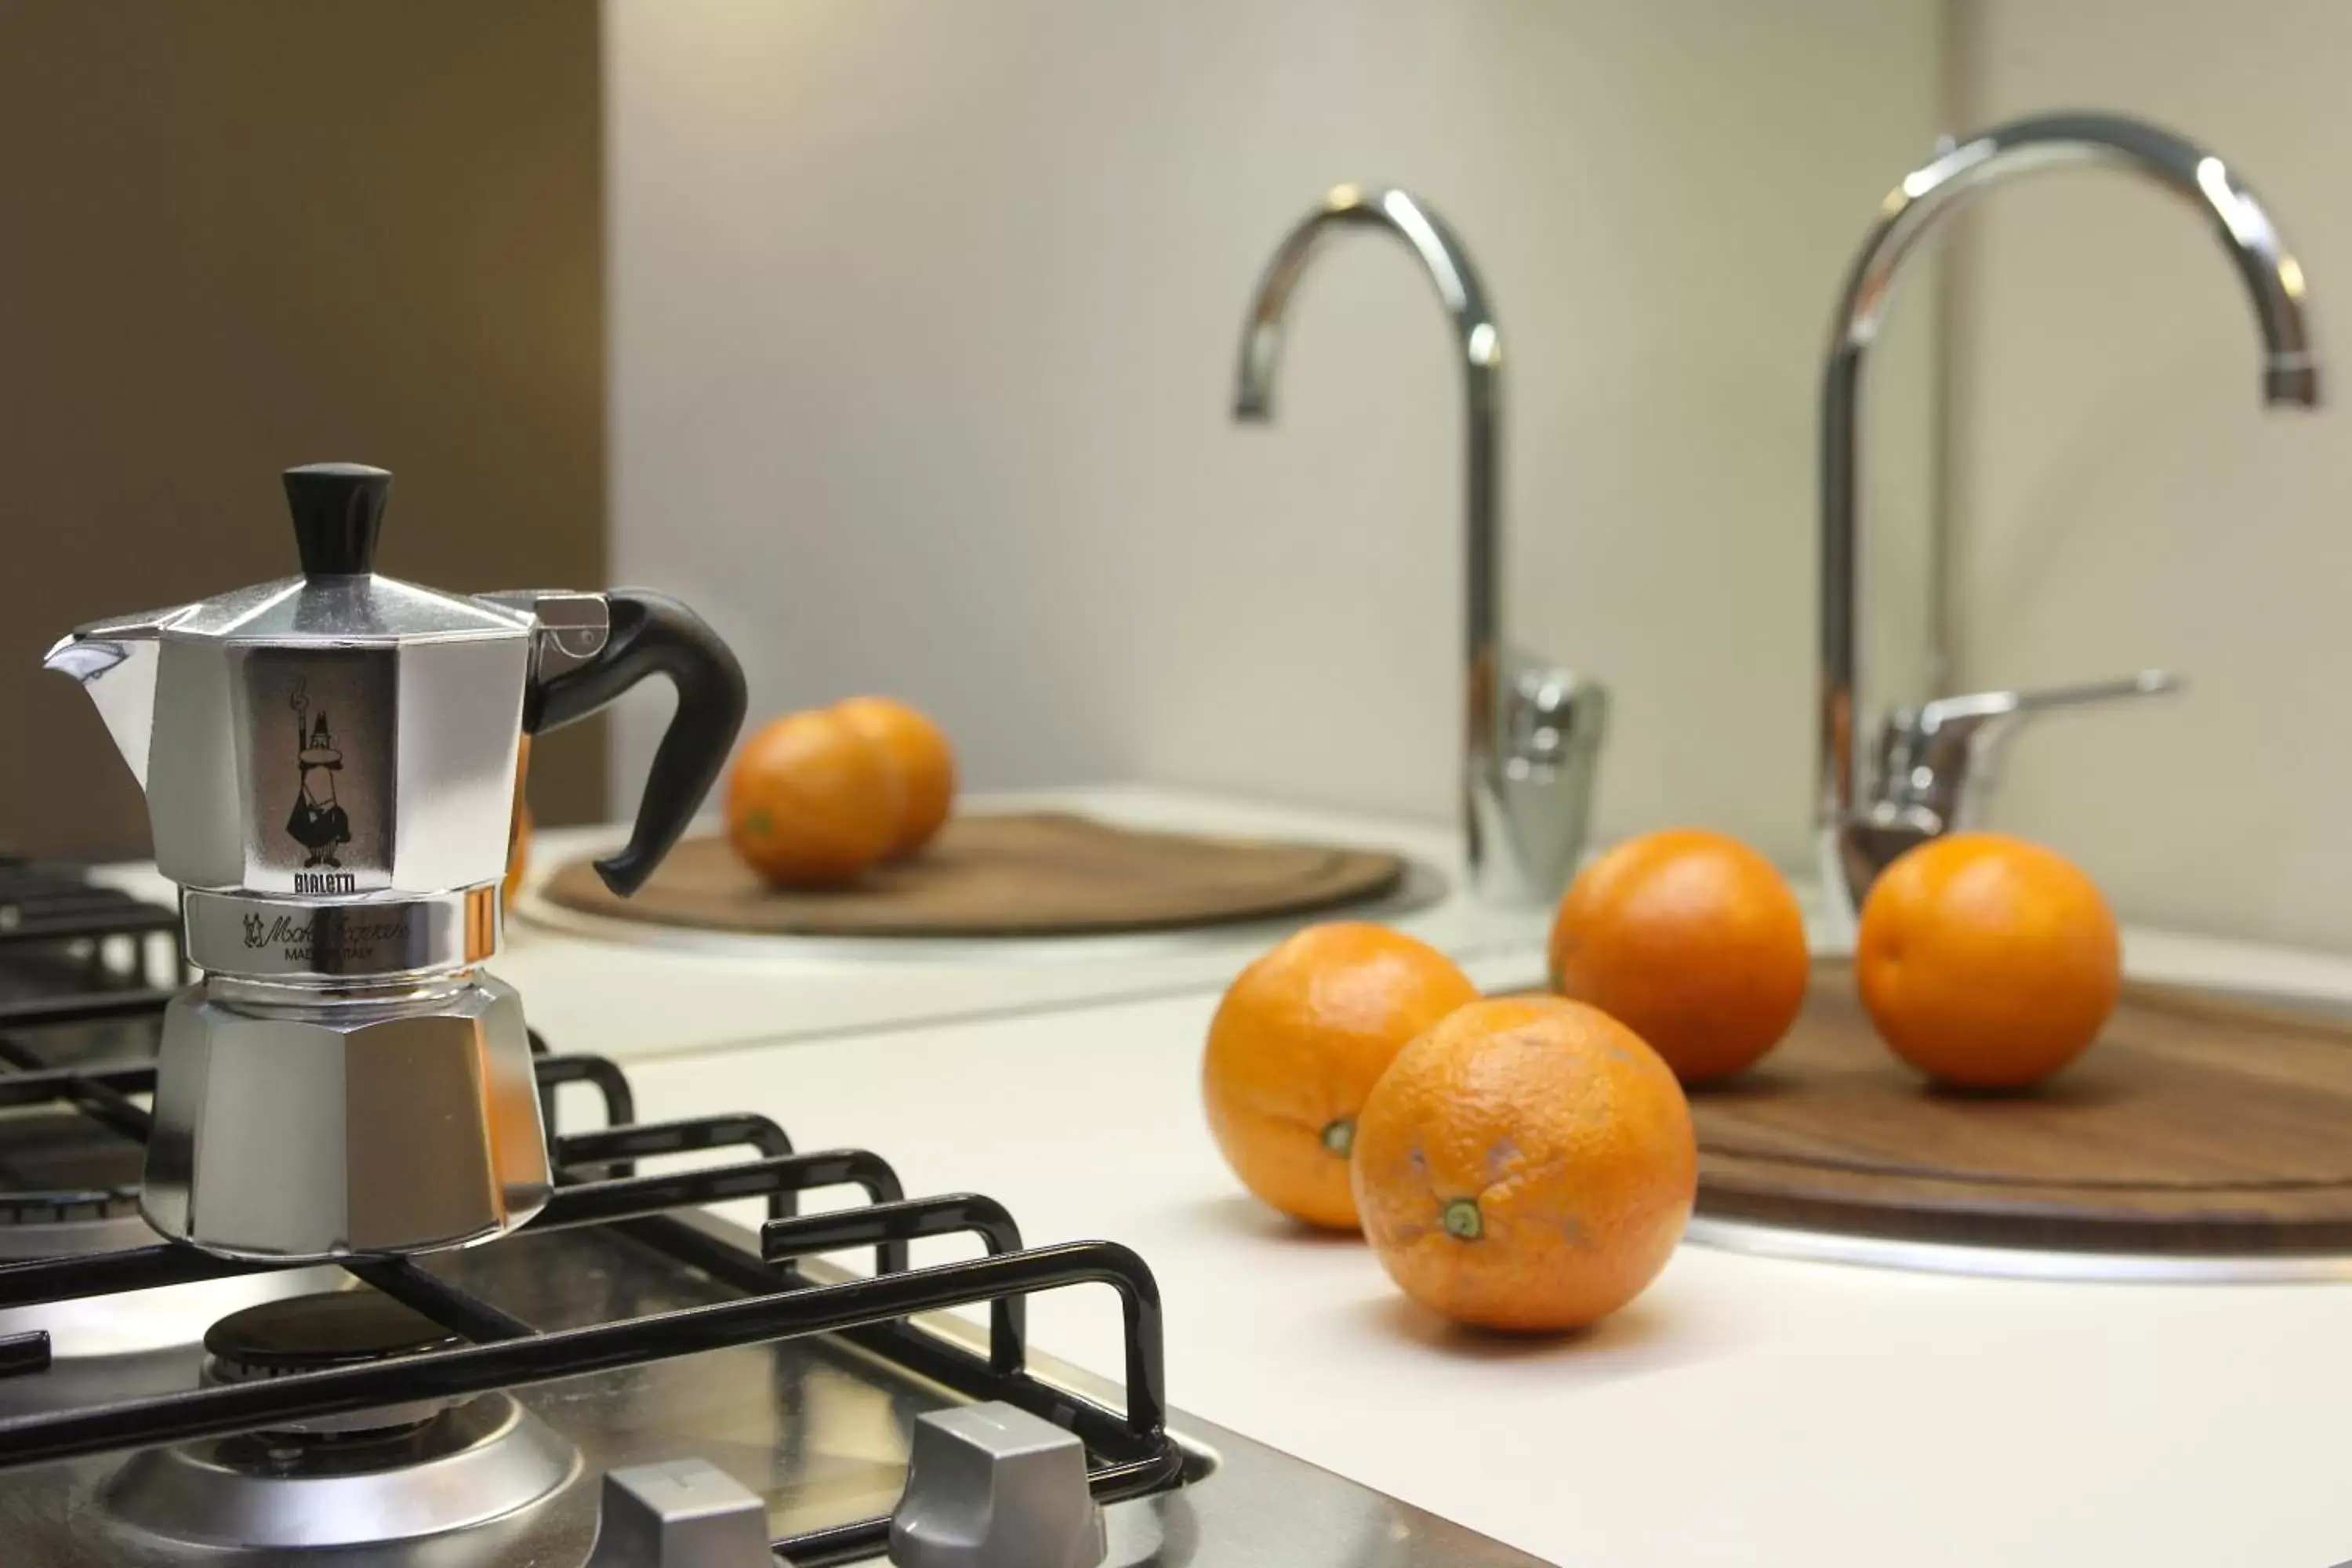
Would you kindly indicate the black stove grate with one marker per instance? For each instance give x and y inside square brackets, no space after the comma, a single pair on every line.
[73,951]
[46,902]
[83,977]
[1132,1452]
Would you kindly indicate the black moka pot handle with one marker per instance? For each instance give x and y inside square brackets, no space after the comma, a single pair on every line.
[653,633]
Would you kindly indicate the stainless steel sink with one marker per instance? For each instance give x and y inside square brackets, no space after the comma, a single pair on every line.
[1757,1238]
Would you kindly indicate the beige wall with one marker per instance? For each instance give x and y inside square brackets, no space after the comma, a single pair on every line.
[923,320]
[2119,499]
[254,233]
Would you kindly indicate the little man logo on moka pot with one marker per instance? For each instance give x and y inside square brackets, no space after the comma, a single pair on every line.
[319,823]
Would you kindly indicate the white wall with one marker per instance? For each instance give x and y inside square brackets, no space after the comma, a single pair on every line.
[923,318]
[2119,497]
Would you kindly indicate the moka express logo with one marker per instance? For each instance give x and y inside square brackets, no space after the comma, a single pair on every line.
[349,935]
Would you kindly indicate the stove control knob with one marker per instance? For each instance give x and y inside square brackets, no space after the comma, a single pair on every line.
[991,1486]
[686,1513]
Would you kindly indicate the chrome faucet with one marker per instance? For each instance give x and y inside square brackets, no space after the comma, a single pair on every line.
[1533,731]
[1934,763]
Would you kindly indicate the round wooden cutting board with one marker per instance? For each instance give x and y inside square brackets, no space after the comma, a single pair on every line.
[2193,1126]
[1027,875]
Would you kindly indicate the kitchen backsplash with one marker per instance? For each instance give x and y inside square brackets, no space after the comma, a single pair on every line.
[924,325]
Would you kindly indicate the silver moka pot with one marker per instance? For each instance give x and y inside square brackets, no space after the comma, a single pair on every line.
[330,766]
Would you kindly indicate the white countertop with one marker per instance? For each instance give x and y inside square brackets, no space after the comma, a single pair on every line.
[1745,1410]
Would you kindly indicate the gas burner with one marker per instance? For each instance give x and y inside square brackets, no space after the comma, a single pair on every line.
[459,1469]
[22,1211]
[61,1194]
[61,1191]
[316,1334]
[311,1334]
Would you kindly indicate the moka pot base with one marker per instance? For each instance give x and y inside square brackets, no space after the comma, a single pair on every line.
[303,1121]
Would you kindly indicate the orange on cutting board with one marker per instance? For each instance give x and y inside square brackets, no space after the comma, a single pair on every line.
[1527,1164]
[1987,961]
[1298,1042]
[919,749]
[812,803]
[1690,939]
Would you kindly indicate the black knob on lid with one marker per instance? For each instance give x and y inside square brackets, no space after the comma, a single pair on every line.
[338,512]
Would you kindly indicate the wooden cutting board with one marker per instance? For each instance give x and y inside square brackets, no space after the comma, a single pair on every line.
[2193,1126]
[1028,874]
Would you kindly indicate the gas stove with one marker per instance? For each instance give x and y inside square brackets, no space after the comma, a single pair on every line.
[629,1380]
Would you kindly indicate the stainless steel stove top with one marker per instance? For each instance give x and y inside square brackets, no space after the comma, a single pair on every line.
[627,1326]
[817,1427]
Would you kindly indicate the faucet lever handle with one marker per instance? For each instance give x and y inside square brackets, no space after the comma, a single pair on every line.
[1945,755]
[1983,708]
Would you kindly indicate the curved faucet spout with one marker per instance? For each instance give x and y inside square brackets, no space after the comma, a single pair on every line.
[1531,733]
[1464,299]
[2273,282]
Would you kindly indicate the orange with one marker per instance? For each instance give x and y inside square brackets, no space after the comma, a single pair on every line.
[811,802]
[1527,1164]
[1299,1040]
[1691,940]
[518,853]
[518,826]
[1987,961]
[926,764]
